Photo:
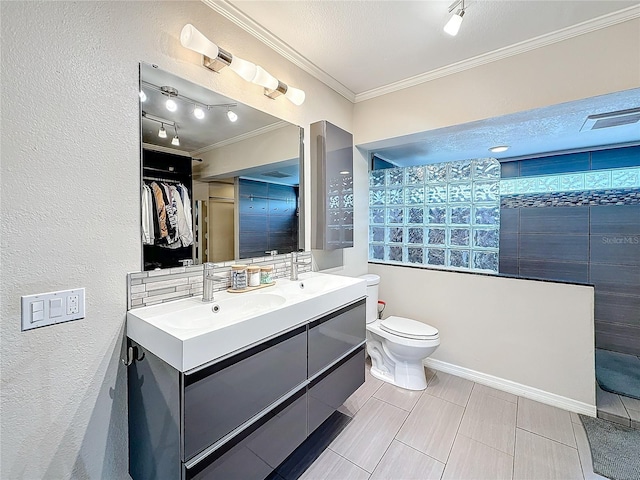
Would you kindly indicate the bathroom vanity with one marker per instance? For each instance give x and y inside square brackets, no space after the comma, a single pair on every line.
[232,394]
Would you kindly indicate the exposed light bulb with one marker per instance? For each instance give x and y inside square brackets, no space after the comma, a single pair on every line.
[175,141]
[143,96]
[453,25]
[295,95]
[244,68]
[198,113]
[172,106]
[232,115]
[191,38]
[265,79]
[162,133]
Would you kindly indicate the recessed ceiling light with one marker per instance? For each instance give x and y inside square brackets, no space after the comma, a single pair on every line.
[344,172]
[499,148]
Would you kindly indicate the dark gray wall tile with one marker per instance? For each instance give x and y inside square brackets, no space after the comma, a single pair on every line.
[615,249]
[562,220]
[575,162]
[509,169]
[622,309]
[509,220]
[508,265]
[564,248]
[616,219]
[616,278]
[571,272]
[619,338]
[615,158]
[508,244]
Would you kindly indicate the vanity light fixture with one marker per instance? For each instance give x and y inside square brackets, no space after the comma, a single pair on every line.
[453,25]
[162,133]
[176,140]
[231,115]
[499,148]
[215,58]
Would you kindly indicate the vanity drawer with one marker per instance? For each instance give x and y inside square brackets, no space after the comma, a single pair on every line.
[259,449]
[330,390]
[223,396]
[332,336]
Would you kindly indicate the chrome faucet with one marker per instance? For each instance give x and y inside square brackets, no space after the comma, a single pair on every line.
[209,279]
[294,265]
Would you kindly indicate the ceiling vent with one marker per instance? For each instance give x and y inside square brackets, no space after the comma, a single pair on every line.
[275,174]
[611,119]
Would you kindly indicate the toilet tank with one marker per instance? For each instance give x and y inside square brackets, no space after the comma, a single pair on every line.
[373,281]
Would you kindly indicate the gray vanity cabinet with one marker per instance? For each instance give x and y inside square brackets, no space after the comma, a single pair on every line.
[242,416]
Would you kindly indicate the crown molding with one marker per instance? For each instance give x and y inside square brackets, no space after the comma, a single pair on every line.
[505,52]
[239,138]
[250,26]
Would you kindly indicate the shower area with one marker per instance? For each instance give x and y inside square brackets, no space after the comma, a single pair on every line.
[576,218]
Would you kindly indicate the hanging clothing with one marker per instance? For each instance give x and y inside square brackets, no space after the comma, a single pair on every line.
[161,212]
[166,215]
[147,218]
[186,203]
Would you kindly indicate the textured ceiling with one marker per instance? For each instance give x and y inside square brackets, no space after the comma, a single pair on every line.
[365,45]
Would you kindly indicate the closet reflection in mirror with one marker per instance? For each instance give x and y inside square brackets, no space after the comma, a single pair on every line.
[221,180]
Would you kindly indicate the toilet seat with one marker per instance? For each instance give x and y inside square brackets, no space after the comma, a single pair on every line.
[408,328]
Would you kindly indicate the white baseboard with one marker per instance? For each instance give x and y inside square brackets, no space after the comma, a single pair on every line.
[513,387]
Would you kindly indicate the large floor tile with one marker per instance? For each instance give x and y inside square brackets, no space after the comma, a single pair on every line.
[369,434]
[432,426]
[406,463]
[545,420]
[610,407]
[584,452]
[450,388]
[493,392]
[540,458]
[330,466]
[471,460]
[399,397]
[491,421]
[362,394]
[630,403]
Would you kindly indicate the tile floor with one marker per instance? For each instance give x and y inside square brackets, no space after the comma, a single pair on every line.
[455,429]
[618,408]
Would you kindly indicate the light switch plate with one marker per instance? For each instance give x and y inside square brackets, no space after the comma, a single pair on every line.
[45,309]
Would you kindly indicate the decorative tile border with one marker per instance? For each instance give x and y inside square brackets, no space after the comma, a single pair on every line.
[620,178]
[159,286]
[629,196]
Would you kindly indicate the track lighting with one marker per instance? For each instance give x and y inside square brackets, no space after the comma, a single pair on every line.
[171,105]
[142,95]
[453,25]
[198,112]
[231,115]
[176,140]
[215,58]
[162,133]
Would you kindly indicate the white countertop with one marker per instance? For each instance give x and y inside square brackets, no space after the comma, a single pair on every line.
[187,333]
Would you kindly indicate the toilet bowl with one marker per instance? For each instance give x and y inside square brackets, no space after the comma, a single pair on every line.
[397,345]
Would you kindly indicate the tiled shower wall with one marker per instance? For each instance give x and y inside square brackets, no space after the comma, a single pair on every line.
[159,286]
[590,236]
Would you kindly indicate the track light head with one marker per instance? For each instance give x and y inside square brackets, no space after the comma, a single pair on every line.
[231,115]
[453,25]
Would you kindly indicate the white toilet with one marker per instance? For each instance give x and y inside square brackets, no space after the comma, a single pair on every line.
[397,345]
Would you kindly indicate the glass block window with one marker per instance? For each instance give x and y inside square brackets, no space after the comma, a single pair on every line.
[445,215]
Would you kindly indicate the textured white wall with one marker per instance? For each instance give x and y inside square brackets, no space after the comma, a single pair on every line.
[70,213]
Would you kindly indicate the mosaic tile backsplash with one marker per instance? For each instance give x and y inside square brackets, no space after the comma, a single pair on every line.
[445,215]
[159,286]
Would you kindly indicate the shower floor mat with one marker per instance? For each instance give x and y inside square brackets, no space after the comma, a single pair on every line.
[618,373]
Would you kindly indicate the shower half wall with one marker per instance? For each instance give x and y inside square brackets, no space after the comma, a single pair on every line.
[576,218]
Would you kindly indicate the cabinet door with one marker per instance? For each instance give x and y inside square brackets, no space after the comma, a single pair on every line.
[333,387]
[221,397]
[258,450]
[334,335]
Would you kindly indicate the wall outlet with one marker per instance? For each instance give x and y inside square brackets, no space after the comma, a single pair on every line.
[45,309]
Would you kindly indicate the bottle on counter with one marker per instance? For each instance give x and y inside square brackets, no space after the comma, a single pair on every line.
[266,274]
[238,277]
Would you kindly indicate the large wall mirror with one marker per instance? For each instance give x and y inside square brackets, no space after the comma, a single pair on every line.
[220,179]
